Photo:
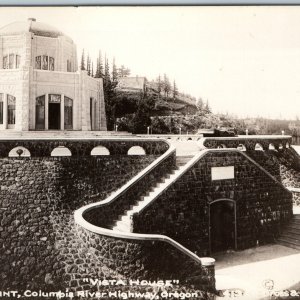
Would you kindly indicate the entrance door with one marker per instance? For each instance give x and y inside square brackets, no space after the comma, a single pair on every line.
[54,116]
[222,225]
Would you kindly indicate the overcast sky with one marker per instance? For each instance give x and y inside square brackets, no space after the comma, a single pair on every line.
[244,60]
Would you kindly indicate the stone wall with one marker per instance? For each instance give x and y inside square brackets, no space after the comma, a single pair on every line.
[37,199]
[182,210]
[106,215]
[149,260]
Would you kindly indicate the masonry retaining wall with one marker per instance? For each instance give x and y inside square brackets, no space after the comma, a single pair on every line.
[182,210]
[37,199]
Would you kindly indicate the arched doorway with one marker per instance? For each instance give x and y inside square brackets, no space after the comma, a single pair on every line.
[222,225]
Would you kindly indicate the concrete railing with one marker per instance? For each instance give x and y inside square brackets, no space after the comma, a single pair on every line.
[250,142]
[43,147]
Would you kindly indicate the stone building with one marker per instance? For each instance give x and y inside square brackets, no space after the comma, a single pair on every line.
[132,84]
[41,87]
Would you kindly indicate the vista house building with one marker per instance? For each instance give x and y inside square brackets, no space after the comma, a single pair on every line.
[41,87]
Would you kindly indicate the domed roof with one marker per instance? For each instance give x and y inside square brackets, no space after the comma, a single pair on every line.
[37,28]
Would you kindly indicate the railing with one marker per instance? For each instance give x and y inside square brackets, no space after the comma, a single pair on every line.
[248,141]
[42,147]
[104,213]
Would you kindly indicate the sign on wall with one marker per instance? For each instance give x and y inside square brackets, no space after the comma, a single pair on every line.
[220,173]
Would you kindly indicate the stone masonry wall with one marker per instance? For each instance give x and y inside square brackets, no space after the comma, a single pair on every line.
[106,215]
[37,199]
[182,210]
[149,260]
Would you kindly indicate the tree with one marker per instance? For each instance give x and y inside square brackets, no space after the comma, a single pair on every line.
[82,63]
[166,86]
[207,107]
[159,86]
[109,97]
[175,90]
[88,65]
[114,71]
[92,71]
[123,72]
[99,68]
[200,105]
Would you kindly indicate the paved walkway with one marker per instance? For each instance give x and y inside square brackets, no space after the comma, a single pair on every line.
[250,269]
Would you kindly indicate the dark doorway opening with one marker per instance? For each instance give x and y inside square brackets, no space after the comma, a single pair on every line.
[54,116]
[222,225]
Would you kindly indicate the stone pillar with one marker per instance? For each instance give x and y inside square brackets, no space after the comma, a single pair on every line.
[46,111]
[208,281]
[27,73]
[62,112]
[4,111]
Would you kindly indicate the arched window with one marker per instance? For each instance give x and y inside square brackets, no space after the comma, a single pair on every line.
[136,150]
[1,108]
[100,150]
[68,113]
[271,147]
[241,147]
[11,110]
[61,151]
[19,152]
[259,147]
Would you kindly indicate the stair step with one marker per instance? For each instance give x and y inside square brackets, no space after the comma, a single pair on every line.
[289,240]
[292,231]
[292,226]
[291,237]
[288,244]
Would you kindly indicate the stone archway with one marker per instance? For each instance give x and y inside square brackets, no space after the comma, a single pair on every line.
[222,225]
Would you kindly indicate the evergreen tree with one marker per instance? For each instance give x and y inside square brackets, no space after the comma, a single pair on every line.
[88,65]
[92,71]
[207,108]
[175,90]
[114,71]
[159,86]
[109,97]
[166,86]
[99,68]
[200,104]
[82,64]
[123,72]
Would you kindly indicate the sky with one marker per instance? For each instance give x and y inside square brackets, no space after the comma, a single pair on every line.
[244,60]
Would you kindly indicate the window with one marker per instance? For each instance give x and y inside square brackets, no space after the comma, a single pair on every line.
[40,112]
[44,62]
[5,62]
[11,109]
[38,62]
[53,98]
[69,66]
[68,113]
[51,63]
[11,61]
[1,108]
[18,60]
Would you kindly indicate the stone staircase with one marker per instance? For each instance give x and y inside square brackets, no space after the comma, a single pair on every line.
[124,223]
[290,236]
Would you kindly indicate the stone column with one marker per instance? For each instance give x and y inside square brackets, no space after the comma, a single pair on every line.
[46,111]
[62,112]
[4,111]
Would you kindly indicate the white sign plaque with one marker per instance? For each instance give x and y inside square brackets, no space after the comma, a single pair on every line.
[220,173]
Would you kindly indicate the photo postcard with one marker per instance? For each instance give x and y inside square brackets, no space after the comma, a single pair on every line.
[150,152]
